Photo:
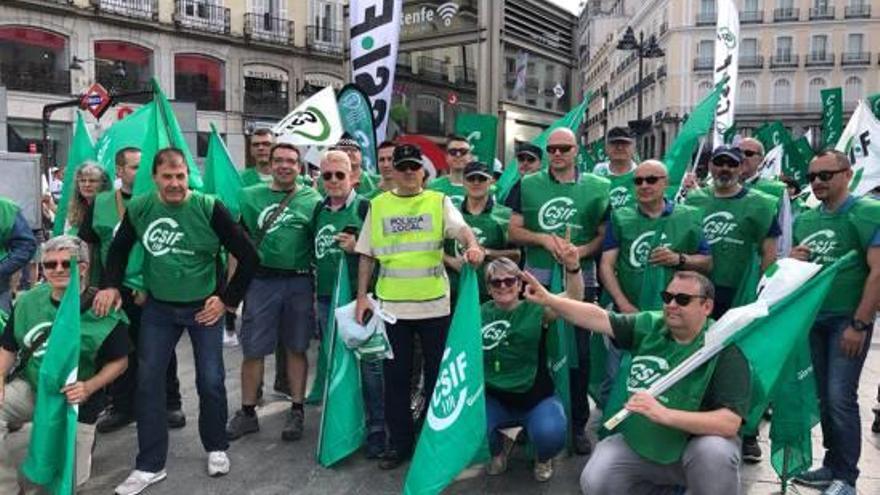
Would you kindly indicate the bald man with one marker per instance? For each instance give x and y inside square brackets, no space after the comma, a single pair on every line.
[549,204]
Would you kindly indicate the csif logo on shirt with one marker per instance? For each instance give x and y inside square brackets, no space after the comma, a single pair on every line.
[325,241]
[644,371]
[286,218]
[164,236]
[718,226]
[822,245]
[494,334]
[641,248]
[556,213]
[619,196]
[33,334]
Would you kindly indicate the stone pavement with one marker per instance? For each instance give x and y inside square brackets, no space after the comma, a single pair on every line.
[264,465]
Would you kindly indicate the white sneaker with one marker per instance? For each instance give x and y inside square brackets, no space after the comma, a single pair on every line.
[138,481]
[218,463]
[230,339]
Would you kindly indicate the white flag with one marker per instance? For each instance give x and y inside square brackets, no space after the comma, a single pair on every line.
[522,63]
[314,122]
[726,65]
[375,34]
[771,167]
[861,142]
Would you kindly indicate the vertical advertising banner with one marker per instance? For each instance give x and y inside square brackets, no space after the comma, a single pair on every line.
[726,65]
[374,34]
[357,120]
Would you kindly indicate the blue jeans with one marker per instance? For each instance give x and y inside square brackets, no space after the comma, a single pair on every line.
[545,424]
[161,327]
[371,379]
[837,381]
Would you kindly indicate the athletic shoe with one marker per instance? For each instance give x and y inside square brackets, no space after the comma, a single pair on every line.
[391,460]
[113,420]
[241,424]
[581,443]
[218,463]
[751,451]
[816,478]
[293,427]
[138,481]
[230,339]
[839,487]
[176,419]
[498,464]
[543,471]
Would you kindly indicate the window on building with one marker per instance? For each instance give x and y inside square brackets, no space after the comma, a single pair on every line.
[819,47]
[34,60]
[123,66]
[265,91]
[200,79]
[706,50]
[749,47]
[782,92]
[784,47]
[855,43]
[429,115]
[820,5]
[202,139]
[852,89]
[703,89]
[785,4]
[751,6]
[814,95]
[707,7]
[748,93]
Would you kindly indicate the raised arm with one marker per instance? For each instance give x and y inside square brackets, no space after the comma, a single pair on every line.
[581,314]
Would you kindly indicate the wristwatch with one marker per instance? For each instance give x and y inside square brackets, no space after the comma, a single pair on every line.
[861,326]
[576,270]
[681,261]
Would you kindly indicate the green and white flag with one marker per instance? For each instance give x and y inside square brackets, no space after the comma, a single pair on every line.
[861,141]
[455,423]
[726,67]
[128,132]
[81,149]
[52,450]
[315,122]
[342,427]
[481,131]
[874,102]
[221,177]
[357,120]
[797,152]
[771,167]
[832,116]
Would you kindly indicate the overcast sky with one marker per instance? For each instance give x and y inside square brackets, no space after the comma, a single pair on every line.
[571,5]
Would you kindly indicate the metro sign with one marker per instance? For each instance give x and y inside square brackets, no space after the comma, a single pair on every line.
[96,100]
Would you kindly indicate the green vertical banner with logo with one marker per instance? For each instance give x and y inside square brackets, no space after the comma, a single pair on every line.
[832,116]
[798,153]
[455,423]
[357,119]
[481,131]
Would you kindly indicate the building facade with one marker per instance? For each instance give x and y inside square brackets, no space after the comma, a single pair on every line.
[789,51]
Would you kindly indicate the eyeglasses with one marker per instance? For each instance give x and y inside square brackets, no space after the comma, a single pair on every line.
[89,181]
[476,178]
[508,282]
[259,144]
[725,163]
[329,175]
[650,179]
[53,264]
[552,149]
[681,299]
[457,151]
[525,158]
[750,153]
[824,175]
[407,166]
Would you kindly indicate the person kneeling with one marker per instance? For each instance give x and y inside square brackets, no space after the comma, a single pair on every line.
[689,437]
[519,390]
[103,357]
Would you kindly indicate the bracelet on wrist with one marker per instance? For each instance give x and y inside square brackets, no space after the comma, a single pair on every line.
[860,326]
[573,270]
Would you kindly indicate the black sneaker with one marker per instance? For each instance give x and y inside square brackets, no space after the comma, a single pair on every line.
[391,459]
[375,445]
[113,420]
[241,424]
[176,419]
[751,451]
[293,427]
[581,442]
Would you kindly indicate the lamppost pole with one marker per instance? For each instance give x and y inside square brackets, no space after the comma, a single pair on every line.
[644,49]
[641,55]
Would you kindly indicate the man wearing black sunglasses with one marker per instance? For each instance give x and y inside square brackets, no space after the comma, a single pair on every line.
[688,435]
[841,334]
[458,155]
[619,169]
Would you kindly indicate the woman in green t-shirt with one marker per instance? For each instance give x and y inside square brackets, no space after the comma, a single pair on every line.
[519,389]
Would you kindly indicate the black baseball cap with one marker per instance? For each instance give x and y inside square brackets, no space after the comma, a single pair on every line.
[529,149]
[477,168]
[619,134]
[407,153]
[732,152]
[348,141]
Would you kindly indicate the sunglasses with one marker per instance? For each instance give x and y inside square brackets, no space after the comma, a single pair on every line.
[824,175]
[750,153]
[457,151]
[650,179]
[681,299]
[261,144]
[552,149]
[476,178]
[726,164]
[407,166]
[330,175]
[526,158]
[503,282]
[53,264]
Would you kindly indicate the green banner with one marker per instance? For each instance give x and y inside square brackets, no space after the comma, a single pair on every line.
[832,116]
[797,152]
[356,115]
[874,103]
[81,149]
[481,131]
[221,177]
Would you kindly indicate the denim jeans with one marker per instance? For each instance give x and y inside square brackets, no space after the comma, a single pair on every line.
[837,381]
[545,424]
[371,378]
[161,327]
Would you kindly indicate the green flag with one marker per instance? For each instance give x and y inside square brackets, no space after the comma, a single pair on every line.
[584,161]
[874,103]
[561,350]
[598,151]
[697,125]
[221,177]
[81,149]
[52,450]
[128,132]
[455,423]
[342,419]
[797,153]
[832,116]
[571,120]
[730,133]
[481,131]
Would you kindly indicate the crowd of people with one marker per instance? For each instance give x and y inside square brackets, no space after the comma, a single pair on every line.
[645,273]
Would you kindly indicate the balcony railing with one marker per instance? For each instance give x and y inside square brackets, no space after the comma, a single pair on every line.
[705,18]
[16,78]
[204,100]
[819,13]
[324,40]
[784,60]
[855,58]
[751,61]
[264,27]
[819,59]
[265,105]
[465,75]
[433,68]
[201,16]
[136,9]
[751,17]
[857,11]
[786,14]
[704,63]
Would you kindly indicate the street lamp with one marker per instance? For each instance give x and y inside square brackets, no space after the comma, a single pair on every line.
[644,49]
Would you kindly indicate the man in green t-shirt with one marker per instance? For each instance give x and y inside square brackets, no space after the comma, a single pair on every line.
[458,155]
[385,154]
[278,306]
[104,347]
[261,142]
[841,334]
[620,167]
[688,435]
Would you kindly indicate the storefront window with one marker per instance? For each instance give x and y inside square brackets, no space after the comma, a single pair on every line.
[123,66]
[265,91]
[199,79]
[536,81]
[33,60]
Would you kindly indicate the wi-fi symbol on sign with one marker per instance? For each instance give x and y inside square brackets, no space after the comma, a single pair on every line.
[446,11]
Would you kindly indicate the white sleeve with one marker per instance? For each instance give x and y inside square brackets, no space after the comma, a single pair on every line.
[363,243]
[453,221]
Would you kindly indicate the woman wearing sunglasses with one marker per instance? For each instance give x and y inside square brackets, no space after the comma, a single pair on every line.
[519,390]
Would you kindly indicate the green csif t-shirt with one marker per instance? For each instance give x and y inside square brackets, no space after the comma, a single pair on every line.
[511,341]
[490,229]
[326,225]
[456,192]
[623,189]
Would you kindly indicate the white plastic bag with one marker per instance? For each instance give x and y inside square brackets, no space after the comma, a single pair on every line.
[369,341]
